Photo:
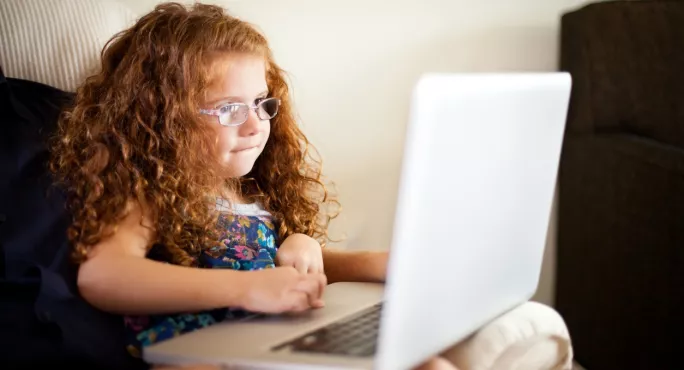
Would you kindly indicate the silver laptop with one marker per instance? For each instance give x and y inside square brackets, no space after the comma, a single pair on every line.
[475,194]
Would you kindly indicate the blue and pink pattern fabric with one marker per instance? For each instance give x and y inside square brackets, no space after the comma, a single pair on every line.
[247,242]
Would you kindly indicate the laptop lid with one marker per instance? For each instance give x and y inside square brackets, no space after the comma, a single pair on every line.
[476,189]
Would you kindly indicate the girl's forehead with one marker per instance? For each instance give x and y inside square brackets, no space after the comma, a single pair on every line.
[223,65]
[236,75]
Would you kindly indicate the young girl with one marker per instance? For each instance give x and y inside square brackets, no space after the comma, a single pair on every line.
[193,193]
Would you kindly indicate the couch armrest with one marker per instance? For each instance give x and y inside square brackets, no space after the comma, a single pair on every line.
[619,257]
[531,336]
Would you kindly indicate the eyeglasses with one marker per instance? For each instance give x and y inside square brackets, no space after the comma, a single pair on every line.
[235,114]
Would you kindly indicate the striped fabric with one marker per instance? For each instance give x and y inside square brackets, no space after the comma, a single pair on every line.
[57,42]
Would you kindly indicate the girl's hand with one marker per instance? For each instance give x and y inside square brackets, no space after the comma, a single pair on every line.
[301,252]
[281,289]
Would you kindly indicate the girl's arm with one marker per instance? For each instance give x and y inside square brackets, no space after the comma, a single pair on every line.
[362,266]
[118,278]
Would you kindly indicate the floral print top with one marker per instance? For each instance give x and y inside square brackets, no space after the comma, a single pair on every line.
[247,242]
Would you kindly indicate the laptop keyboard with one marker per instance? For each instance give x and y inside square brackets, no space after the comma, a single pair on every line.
[352,336]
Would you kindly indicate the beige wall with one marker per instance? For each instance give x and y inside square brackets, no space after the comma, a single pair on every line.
[353,63]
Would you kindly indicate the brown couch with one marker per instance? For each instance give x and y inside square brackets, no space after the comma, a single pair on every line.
[620,284]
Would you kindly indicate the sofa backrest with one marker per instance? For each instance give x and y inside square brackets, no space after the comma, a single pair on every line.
[57,42]
[627,63]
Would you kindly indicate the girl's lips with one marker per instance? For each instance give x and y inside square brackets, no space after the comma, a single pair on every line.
[245,149]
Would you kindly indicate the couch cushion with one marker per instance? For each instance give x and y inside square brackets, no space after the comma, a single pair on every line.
[43,320]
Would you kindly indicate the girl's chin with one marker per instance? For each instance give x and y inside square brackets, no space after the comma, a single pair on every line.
[233,170]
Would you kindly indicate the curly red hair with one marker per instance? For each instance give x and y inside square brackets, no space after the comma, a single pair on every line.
[133,134]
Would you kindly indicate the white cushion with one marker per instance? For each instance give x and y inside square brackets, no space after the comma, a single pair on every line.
[530,337]
[57,42]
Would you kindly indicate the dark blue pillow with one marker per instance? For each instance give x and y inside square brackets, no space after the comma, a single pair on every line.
[43,320]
